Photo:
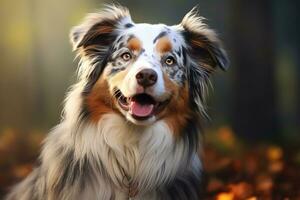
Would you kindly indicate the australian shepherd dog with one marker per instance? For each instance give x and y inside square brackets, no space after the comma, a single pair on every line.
[130,125]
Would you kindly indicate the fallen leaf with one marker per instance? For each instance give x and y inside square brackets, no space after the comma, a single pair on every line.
[274,153]
[225,196]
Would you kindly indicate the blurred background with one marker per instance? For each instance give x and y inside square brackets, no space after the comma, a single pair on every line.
[253,104]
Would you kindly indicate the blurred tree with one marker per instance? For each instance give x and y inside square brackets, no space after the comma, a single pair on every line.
[15,65]
[254,113]
[295,42]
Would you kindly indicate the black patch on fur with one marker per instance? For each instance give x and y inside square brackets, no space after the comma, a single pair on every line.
[128,25]
[92,79]
[184,56]
[186,187]
[101,62]
[87,173]
[100,51]
[120,38]
[68,172]
[197,77]
[162,34]
[72,171]
[85,112]
[178,52]
[98,46]
[211,53]
[191,133]
[95,37]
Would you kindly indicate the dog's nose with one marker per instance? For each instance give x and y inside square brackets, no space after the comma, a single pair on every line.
[146,77]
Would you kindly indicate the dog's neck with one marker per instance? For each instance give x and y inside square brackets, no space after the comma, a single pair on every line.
[147,155]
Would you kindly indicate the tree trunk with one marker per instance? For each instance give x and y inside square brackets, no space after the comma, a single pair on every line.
[254,113]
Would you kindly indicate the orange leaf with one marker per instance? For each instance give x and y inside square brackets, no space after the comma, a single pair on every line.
[274,153]
[225,196]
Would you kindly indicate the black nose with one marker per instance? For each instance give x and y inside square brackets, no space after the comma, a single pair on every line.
[146,77]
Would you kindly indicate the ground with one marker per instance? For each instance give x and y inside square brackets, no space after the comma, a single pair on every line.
[234,169]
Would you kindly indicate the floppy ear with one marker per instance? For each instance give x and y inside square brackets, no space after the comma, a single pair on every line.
[100,28]
[203,44]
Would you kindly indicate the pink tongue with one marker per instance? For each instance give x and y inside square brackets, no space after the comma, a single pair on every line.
[141,110]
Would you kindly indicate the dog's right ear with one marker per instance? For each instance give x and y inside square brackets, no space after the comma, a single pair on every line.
[100,28]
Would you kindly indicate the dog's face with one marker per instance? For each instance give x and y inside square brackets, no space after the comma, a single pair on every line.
[145,72]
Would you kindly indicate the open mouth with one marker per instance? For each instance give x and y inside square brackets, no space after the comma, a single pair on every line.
[140,106]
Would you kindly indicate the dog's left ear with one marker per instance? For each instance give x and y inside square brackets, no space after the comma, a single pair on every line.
[202,43]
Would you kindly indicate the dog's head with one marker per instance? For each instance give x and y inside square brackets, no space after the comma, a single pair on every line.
[143,71]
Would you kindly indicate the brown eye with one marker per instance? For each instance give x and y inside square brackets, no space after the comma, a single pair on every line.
[126,56]
[170,60]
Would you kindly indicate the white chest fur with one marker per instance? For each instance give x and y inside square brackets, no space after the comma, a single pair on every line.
[148,156]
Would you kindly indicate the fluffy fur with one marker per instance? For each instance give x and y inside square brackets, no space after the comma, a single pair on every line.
[101,149]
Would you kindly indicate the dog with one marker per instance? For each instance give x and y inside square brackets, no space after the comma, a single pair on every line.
[130,127]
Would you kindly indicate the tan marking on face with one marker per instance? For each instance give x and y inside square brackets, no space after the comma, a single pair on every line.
[134,44]
[163,45]
[177,111]
[99,101]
